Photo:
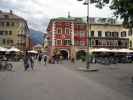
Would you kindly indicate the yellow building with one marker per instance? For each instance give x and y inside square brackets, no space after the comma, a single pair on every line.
[13,30]
[108,36]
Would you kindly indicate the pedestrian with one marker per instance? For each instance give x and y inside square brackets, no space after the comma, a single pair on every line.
[61,59]
[26,63]
[39,57]
[53,59]
[72,60]
[31,62]
[45,59]
[57,58]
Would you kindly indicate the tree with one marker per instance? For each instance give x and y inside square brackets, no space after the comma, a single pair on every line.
[122,9]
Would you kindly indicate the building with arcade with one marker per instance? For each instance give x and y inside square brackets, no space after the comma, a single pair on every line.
[68,36]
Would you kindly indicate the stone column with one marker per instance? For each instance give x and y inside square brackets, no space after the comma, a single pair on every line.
[72,40]
[53,38]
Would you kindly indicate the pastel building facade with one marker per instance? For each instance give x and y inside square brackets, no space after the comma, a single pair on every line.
[13,31]
[70,38]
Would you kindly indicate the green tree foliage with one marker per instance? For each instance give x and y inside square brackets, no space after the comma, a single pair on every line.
[122,9]
[100,3]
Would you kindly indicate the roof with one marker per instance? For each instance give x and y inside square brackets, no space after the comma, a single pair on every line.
[9,15]
[92,20]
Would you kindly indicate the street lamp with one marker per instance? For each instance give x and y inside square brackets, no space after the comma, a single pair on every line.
[88,31]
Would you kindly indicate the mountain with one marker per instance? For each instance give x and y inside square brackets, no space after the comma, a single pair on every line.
[36,36]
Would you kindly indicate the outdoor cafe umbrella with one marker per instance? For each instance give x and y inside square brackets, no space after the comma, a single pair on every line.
[33,51]
[13,49]
[101,50]
[2,49]
[125,51]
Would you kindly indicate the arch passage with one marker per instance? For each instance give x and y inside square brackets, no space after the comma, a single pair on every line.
[64,54]
[80,54]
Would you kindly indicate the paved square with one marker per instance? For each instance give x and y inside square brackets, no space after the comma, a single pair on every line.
[58,82]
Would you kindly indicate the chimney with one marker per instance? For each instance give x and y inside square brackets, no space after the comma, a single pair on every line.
[69,15]
[0,11]
[11,12]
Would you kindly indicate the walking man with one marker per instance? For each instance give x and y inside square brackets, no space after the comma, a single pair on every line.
[26,63]
[45,59]
[31,62]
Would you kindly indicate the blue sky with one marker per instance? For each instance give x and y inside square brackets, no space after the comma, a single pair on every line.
[39,12]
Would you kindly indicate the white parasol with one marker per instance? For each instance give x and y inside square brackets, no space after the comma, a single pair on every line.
[13,49]
[32,51]
[102,50]
[2,49]
[125,51]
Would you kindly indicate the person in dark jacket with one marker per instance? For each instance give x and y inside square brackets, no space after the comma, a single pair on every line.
[28,61]
[45,59]
[25,59]
[40,58]
[31,62]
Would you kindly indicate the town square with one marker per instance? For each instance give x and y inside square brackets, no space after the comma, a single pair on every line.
[66,50]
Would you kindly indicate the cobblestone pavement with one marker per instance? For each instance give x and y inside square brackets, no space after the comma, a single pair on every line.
[115,76]
[56,82]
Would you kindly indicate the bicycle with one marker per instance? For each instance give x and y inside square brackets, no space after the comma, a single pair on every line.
[5,66]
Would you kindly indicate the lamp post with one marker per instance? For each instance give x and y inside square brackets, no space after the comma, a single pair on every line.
[88,32]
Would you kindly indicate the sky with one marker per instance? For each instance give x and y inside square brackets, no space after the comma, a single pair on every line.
[39,12]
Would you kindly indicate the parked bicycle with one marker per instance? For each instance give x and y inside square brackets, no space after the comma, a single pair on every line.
[5,66]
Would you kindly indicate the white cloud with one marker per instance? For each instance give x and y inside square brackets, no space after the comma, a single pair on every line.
[38,12]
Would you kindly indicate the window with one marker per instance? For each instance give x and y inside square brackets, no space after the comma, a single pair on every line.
[4,41]
[64,42]
[67,31]
[67,42]
[99,33]
[13,24]
[7,24]
[107,34]
[59,31]
[58,42]
[119,43]
[10,32]
[1,32]
[130,44]
[92,33]
[123,34]
[115,34]
[96,42]
[130,32]
[6,33]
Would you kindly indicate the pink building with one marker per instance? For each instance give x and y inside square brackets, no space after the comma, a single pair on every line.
[67,36]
